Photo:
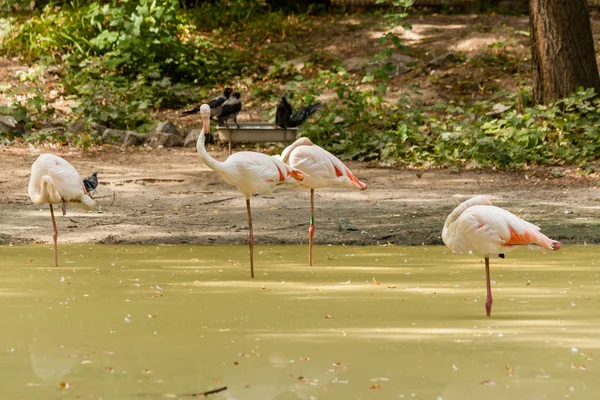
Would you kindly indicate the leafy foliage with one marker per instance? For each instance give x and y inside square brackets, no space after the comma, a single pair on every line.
[120,61]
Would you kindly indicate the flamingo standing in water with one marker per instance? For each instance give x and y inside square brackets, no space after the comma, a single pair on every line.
[478,226]
[250,172]
[54,181]
[323,170]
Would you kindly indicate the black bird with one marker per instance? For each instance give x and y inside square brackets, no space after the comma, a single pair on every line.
[230,108]
[91,182]
[283,114]
[215,104]
[300,116]
[285,117]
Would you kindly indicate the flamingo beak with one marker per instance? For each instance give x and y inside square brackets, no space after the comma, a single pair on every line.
[205,124]
[299,176]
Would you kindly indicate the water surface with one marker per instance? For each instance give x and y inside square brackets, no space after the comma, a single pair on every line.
[147,322]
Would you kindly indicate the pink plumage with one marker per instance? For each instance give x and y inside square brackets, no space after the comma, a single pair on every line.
[322,169]
[479,227]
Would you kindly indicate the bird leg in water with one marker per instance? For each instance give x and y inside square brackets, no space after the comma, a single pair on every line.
[64,207]
[250,238]
[54,235]
[488,302]
[311,227]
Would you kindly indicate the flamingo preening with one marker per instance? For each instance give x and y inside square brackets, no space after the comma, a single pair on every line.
[478,226]
[54,181]
[250,172]
[322,169]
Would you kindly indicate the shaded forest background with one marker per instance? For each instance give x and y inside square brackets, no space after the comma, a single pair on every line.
[393,96]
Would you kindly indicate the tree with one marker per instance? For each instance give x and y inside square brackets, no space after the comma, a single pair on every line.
[562,49]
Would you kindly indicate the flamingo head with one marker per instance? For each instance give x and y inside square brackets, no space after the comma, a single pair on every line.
[205,116]
[304,141]
[205,111]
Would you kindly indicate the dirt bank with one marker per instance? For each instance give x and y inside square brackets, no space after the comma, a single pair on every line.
[169,196]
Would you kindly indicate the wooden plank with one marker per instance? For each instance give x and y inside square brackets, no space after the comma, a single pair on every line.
[256,133]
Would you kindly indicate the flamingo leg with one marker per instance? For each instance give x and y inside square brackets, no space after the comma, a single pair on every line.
[311,227]
[64,207]
[489,301]
[54,235]
[250,238]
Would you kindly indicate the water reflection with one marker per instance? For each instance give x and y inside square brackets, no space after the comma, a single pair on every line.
[148,322]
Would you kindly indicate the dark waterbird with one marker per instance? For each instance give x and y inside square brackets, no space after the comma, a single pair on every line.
[286,117]
[215,104]
[230,109]
[91,182]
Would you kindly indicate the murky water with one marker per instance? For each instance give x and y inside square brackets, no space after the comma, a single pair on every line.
[139,322]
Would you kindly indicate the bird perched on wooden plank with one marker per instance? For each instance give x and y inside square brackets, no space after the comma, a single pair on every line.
[286,117]
[283,113]
[54,181]
[91,182]
[478,226]
[215,104]
[230,109]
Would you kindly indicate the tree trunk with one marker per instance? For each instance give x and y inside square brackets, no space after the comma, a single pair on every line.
[562,49]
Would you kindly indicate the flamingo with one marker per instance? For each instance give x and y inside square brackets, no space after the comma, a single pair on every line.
[54,181]
[323,170]
[250,172]
[478,226]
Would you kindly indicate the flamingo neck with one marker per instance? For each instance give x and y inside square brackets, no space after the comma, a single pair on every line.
[206,158]
[303,141]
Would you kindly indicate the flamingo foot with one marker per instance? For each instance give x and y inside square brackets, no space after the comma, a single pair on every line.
[488,308]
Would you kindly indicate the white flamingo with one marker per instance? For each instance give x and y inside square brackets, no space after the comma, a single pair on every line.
[54,181]
[478,226]
[250,172]
[323,170]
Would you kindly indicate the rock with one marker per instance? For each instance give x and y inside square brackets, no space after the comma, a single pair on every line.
[78,126]
[166,127]
[401,62]
[114,136]
[498,109]
[53,124]
[8,124]
[192,138]
[55,132]
[298,63]
[347,225]
[134,139]
[356,64]
[288,67]
[338,120]
[98,129]
[450,57]
[164,140]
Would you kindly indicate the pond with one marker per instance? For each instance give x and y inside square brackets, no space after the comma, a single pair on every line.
[387,322]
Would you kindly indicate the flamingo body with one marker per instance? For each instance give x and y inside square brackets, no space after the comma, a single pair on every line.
[322,169]
[479,227]
[250,172]
[54,181]
[257,173]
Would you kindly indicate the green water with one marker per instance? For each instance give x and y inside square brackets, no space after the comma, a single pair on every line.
[146,322]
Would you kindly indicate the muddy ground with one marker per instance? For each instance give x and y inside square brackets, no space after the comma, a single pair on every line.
[169,196]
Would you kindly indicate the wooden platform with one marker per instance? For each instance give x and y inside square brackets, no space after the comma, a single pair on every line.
[255,132]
